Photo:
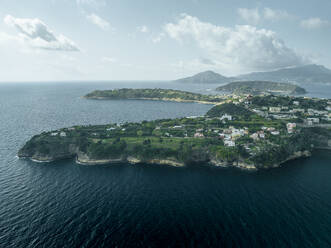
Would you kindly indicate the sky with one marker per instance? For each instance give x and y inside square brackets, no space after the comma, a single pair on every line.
[64,40]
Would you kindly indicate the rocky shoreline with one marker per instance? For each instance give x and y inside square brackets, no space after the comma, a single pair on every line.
[83,159]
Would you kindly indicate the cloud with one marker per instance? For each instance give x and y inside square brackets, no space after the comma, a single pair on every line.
[275,15]
[92,3]
[313,23]
[255,16]
[158,38]
[97,20]
[249,15]
[143,29]
[38,35]
[240,48]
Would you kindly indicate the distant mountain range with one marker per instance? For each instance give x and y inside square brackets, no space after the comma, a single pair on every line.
[300,74]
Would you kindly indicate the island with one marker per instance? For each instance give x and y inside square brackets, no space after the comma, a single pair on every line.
[206,77]
[154,94]
[261,87]
[248,132]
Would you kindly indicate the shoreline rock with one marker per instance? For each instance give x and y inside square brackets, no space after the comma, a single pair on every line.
[83,159]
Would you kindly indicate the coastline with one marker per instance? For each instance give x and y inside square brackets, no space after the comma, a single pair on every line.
[84,160]
[155,99]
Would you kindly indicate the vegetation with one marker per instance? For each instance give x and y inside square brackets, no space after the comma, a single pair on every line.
[245,136]
[272,101]
[261,87]
[230,109]
[154,94]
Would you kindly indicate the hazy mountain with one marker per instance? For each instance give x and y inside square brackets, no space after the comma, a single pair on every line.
[301,74]
[207,77]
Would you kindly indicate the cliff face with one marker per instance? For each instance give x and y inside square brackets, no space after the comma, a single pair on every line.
[46,154]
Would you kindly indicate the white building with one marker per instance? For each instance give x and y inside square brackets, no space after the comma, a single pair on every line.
[291,127]
[313,120]
[229,143]
[226,117]
[254,136]
[275,109]
[298,110]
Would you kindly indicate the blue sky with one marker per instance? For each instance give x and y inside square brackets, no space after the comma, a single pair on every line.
[50,40]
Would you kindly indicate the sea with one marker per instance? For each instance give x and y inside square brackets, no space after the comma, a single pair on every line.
[62,204]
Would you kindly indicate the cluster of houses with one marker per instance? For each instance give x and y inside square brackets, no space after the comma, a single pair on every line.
[231,134]
[61,134]
[261,134]
[311,116]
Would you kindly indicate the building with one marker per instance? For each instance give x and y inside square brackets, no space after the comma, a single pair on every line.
[254,136]
[275,132]
[270,129]
[296,103]
[298,110]
[291,127]
[198,135]
[226,117]
[313,120]
[229,143]
[63,134]
[261,134]
[275,109]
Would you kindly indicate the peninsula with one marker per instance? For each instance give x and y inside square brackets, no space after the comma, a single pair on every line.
[154,94]
[262,87]
[241,131]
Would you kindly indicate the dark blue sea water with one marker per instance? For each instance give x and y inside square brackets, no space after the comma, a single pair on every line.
[65,205]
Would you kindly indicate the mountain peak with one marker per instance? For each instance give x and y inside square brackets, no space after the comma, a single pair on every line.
[206,77]
[208,72]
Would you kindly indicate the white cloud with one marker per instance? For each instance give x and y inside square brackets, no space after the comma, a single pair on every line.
[313,23]
[255,16]
[92,3]
[97,20]
[158,38]
[275,15]
[236,49]
[38,35]
[250,15]
[143,29]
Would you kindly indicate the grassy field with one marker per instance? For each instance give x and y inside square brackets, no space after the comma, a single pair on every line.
[173,143]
